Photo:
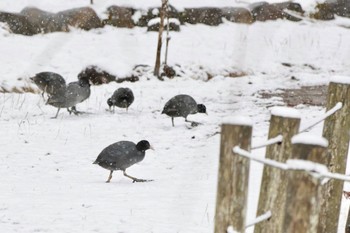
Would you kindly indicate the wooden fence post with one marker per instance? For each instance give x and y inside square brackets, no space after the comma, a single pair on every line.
[285,122]
[232,192]
[304,190]
[336,130]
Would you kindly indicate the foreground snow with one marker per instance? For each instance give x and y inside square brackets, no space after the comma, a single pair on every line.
[47,180]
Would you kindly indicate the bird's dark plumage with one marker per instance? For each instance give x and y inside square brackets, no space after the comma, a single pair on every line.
[121,155]
[182,106]
[123,97]
[49,82]
[73,94]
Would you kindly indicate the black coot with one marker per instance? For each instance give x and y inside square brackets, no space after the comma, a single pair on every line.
[182,106]
[123,97]
[49,82]
[73,94]
[121,155]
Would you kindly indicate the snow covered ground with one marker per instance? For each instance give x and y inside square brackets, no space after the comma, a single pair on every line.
[47,180]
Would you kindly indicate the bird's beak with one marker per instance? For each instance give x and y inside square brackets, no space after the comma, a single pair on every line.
[206,113]
[152,148]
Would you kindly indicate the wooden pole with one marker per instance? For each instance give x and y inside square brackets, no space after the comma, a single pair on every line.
[303,191]
[167,35]
[160,35]
[273,185]
[336,131]
[231,202]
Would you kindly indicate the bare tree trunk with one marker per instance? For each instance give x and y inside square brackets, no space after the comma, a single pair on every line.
[91,1]
[161,28]
[167,36]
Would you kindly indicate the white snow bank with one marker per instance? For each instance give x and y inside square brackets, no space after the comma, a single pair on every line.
[340,79]
[285,112]
[309,139]
[238,120]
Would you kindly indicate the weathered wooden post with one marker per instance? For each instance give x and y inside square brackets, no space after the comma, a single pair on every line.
[231,202]
[284,121]
[336,130]
[304,190]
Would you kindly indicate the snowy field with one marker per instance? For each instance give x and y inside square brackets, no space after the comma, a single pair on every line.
[47,180]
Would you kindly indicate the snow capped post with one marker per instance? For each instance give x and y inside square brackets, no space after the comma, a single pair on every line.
[232,191]
[284,121]
[304,190]
[336,130]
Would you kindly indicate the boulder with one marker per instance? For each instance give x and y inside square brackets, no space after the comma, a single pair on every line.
[120,16]
[174,25]
[205,15]
[45,21]
[291,6]
[327,9]
[168,71]
[19,24]
[84,18]
[96,75]
[237,15]
[340,7]
[153,13]
[263,11]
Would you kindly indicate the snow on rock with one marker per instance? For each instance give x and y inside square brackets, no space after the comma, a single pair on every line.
[340,79]
[157,20]
[155,11]
[238,120]
[309,139]
[285,112]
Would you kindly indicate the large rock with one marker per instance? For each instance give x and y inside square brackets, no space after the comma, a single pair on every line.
[120,16]
[84,18]
[174,25]
[152,13]
[96,75]
[237,15]
[263,11]
[45,21]
[19,24]
[340,7]
[327,10]
[206,15]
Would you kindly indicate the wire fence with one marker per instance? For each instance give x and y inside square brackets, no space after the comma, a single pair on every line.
[299,175]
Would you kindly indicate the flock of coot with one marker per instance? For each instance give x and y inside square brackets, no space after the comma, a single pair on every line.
[122,154]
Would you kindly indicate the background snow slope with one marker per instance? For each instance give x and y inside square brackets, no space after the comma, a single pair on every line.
[47,180]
